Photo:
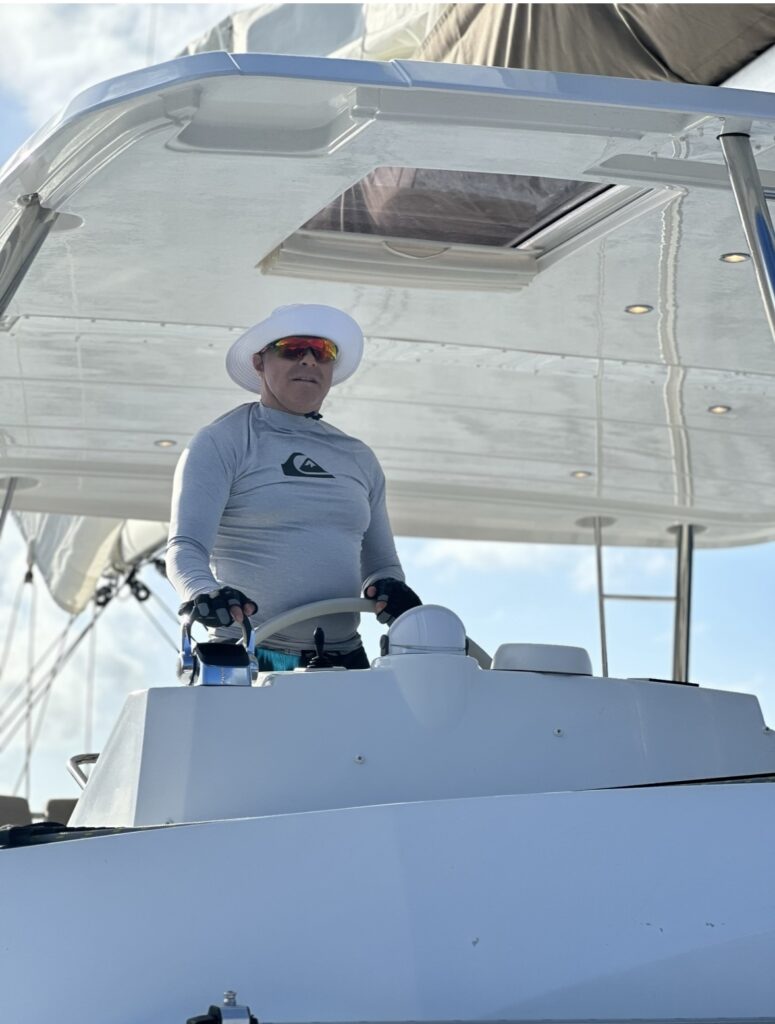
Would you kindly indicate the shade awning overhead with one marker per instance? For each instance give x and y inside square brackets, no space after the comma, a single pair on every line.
[514,413]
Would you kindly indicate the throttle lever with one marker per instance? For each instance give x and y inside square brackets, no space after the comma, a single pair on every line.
[321,659]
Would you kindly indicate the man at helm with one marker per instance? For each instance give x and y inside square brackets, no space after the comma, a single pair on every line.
[273,508]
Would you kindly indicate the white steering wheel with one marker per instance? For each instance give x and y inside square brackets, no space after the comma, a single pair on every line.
[334,606]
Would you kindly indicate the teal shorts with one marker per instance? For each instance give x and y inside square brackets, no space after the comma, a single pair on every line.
[286,661]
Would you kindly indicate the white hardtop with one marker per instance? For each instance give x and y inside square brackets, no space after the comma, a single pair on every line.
[174,184]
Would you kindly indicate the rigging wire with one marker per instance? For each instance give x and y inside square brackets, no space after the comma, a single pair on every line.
[28,697]
[102,598]
[91,661]
[32,624]
[14,694]
[157,625]
[165,608]
[24,689]
[14,720]
[44,702]
[11,627]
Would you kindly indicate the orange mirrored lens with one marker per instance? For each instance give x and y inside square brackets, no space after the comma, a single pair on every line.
[324,350]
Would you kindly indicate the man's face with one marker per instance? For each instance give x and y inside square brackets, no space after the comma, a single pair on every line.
[293,385]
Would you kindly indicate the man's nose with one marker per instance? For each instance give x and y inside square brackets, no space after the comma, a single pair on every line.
[309,357]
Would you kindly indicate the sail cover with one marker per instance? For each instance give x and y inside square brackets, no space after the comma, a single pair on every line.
[700,44]
[72,553]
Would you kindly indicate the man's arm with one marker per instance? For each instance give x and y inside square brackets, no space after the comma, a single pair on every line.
[378,552]
[383,577]
[200,491]
[201,488]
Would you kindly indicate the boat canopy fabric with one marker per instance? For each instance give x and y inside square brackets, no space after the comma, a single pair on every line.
[352,31]
[700,44]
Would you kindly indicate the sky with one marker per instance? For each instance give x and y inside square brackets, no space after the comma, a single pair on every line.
[502,592]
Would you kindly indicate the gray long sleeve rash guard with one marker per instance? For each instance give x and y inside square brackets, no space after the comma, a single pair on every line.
[286,509]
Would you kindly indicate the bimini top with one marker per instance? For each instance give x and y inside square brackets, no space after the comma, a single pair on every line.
[494,232]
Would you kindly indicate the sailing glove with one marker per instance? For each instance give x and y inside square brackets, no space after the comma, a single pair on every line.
[215,609]
[398,597]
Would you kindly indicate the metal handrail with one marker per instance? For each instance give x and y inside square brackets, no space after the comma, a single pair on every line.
[754,214]
[74,767]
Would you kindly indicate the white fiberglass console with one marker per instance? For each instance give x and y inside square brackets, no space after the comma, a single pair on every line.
[414,727]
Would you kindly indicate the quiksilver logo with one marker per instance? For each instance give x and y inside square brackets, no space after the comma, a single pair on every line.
[300,464]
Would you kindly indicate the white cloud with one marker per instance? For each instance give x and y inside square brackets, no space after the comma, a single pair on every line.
[626,571]
[487,555]
[584,572]
[51,52]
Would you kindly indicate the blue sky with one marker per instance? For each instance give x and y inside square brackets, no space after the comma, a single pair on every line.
[503,592]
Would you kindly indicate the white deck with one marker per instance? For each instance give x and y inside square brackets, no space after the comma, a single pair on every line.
[647,905]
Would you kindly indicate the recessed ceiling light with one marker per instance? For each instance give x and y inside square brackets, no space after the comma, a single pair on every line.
[638,309]
[165,442]
[734,257]
[719,410]
[580,474]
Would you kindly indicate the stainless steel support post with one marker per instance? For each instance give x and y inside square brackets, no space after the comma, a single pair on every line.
[22,245]
[598,527]
[10,487]
[683,601]
[754,214]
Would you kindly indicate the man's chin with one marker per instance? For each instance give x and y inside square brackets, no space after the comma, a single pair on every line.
[303,409]
[299,401]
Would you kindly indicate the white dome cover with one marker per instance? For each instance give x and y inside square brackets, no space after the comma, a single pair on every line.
[428,629]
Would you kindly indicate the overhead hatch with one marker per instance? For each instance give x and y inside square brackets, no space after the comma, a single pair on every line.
[435,227]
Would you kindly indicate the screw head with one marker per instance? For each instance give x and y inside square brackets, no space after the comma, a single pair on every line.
[360,759]
[558,732]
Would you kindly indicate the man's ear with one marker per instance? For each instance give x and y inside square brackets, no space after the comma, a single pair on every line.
[258,362]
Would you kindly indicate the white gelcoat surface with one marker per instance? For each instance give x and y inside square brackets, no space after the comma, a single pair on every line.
[187,175]
[648,905]
[416,727]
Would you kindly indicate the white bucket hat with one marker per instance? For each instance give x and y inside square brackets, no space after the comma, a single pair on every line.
[285,321]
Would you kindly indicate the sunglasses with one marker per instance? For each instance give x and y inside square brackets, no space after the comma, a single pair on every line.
[294,347]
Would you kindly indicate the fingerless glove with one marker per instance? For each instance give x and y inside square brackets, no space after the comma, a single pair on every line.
[399,597]
[214,609]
